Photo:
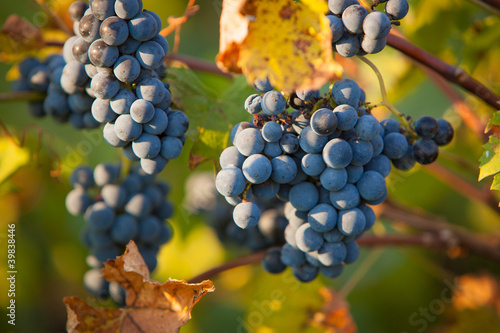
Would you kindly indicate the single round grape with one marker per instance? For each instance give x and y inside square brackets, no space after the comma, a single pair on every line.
[127,129]
[152,90]
[336,26]
[307,239]
[346,198]
[162,41]
[153,166]
[378,145]
[89,28]
[110,137]
[333,179]
[284,169]
[354,173]
[289,143]
[397,9]
[246,215]
[271,261]
[405,163]
[331,271]
[114,196]
[127,9]
[323,218]
[444,134]
[105,86]
[307,95]
[346,91]
[376,25]
[348,45]
[100,216]
[156,17]
[130,46]
[150,55]
[124,229]
[426,127]
[347,117]
[373,46]
[171,147]
[146,146]
[77,201]
[77,10]
[105,173]
[324,122]
[82,177]
[291,256]
[311,142]
[149,227]
[305,272]
[351,222]
[80,50]
[178,124]
[333,236]
[230,182]
[253,104]
[395,145]
[353,17]
[380,164]
[304,196]
[80,103]
[143,27]
[367,127]
[114,31]
[122,101]
[362,151]
[369,216]
[337,7]
[272,132]
[263,85]
[313,164]
[231,157]
[95,284]
[337,154]
[249,142]
[142,111]
[158,124]
[273,103]
[102,54]
[266,191]
[371,186]
[390,126]
[332,254]
[425,151]
[257,169]
[138,205]
[127,68]
[101,111]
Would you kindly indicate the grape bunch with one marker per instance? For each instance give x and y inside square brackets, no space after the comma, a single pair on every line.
[328,165]
[118,47]
[355,31]
[46,78]
[118,211]
[202,198]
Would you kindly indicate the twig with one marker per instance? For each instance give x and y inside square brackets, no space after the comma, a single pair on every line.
[53,43]
[197,64]
[175,23]
[22,96]
[449,72]
[383,91]
[59,22]
[492,3]
[250,259]
[453,235]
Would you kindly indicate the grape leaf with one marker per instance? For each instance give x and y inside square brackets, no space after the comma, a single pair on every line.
[490,161]
[287,41]
[150,306]
[335,316]
[12,157]
[211,113]
[19,38]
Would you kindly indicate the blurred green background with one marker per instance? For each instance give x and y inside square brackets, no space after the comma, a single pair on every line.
[385,287]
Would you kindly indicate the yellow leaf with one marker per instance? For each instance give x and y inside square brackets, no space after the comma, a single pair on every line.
[286,41]
[150,306]
[12,157]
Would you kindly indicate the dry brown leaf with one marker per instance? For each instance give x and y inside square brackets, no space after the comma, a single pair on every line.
[335,316]
[150,306]
[18,38]
[477,291]
[287,41]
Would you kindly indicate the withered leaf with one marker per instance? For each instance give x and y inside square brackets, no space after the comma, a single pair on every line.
[335,316]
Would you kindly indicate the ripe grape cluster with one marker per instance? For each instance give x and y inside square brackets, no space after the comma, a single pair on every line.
[117,211]
[355,31]
[62,103]
[118,47]
[328,165]
[202,198]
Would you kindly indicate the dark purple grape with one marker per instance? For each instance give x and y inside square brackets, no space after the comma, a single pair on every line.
[444,134]
[425,151]
[426,127]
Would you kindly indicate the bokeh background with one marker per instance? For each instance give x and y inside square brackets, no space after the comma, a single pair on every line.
[392,289]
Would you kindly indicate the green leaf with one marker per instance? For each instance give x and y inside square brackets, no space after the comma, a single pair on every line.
[496,183]
[12,157]
[212,111]
[494,121]
[490,161]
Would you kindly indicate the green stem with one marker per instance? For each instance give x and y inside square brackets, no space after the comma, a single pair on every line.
[27,96]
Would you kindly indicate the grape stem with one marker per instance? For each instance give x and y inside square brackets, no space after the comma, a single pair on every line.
[175,23]
[449,72]
[385,99]
[25,96]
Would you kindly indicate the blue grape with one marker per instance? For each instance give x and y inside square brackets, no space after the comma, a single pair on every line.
[95,284]
[139,205]
[348,197]
[249,142]
[114,196]
[89,27]
[338,6]
[337,154]
[397,9]
[390,126]
[122,101]
[336,26]
[149,228]
[102,54]
[246,215]
[376,25]
[110,137]
[334,235]
[353,17]
[127,129]
[378,145]
[348,46]
[272,132]
[377,201]
[89,121]
[150,55]
[162,41]
[307,239]
[266,191]
[289,143]
[127,68]
[114,31]
[257,169]
[351,222]
[263,85]
[146,146]
[347,117]
[272,149]
[156,17]
[80,50]
[331,271]
[124,229]
[149,256]
[292,257]
[171,147]
[380,164]
[105,173]
[27,65]
[178,124]
[230,182]
[352,252]
[354,173]
[367,127]
[312,258]
[346,91]
[73,74]
[231,157]
[143,27]
[373,46]
[130,46]
[56,105]
[77,201]
[444,134]
[313,164]
[271,261]
[91,70]
[305,272]
[273,103]
[369,216]
[304,196]
[253,104]
[371,186]
[426,127]
[164,211]
[333,179]
[100,217]
[311,142]
[362,151]
[103,9]
[405,163]
[127,9]
[101,111]
[323,217]
[395,145]
[324,122]
[332,254]
[152,90]
[105,86]
[80,103]
[142,111]
[425,151]
[284,169]
[307,95]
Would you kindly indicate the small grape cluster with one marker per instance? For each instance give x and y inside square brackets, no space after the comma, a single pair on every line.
[46,78]
[118,46]
[202,198]
[117,212]
[328,165]
[355,31]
